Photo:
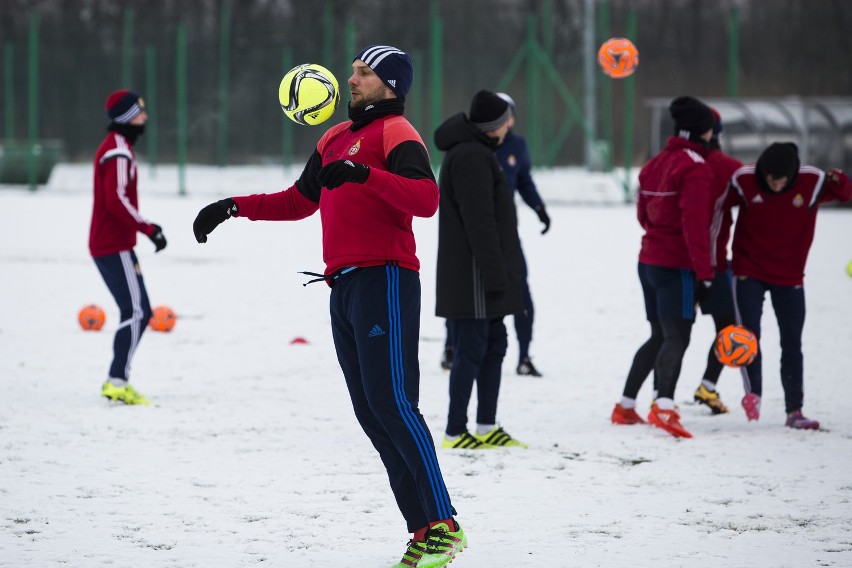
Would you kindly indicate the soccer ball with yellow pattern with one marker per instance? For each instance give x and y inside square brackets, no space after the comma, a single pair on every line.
[308,94]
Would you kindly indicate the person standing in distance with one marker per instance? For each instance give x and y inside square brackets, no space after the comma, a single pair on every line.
[479,274]
[112,236]
[720,303]
[675,209]
[368,177]
[514,158]
[778,199]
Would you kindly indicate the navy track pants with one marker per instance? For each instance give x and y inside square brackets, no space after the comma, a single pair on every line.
[375,322]
[123,277]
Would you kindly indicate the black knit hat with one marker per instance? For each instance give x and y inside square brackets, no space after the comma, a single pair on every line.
[488,111]
[780,159]
[393,66]
[692,118]
[123,106]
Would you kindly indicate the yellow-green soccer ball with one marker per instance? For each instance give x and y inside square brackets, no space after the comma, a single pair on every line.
[308,94]
[849,268]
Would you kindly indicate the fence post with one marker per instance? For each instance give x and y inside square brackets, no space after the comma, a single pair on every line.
[180,78]
[286,125]
[127,50]
[733,51]
[435,78]
[8,91]
[224,78]
[629,97]
[151,106]
[533,109]
[32,115]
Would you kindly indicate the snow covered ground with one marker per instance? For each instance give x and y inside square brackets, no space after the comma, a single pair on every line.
[250,454]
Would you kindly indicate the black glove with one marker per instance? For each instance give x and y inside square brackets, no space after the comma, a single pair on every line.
[335,174]
[211,216]
[543,217]
[158,238]
[703,289]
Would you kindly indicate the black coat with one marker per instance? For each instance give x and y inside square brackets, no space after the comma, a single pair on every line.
[479,252]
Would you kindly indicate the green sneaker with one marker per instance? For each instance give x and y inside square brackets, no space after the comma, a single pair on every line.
[465,442]
[125,394]
[412,555]
[499,438]
[442,545]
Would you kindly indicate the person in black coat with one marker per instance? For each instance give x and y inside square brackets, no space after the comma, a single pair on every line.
[479,274]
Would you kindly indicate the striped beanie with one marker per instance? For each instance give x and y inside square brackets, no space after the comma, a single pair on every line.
[489,111]
[123,106]
[392,65]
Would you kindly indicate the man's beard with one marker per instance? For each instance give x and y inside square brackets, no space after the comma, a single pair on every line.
[368,99]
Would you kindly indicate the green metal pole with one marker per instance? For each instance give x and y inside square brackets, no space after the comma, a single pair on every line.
[548,124]
[32,115]
[127,49]
[733,52]
[533,114]
[349,39]
[224,79]
[629,96]
[151,106]
[606,107]
[8,91]
[414,101]
[435,78]
[180,67]
[328,33]
[286,125]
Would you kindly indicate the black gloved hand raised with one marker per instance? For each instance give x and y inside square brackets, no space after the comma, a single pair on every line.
[158,238]
[211,216]
[703,289]
[334,174]
[543,217]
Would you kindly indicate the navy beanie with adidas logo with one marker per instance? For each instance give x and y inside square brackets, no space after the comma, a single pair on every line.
[393,66]
[123,106]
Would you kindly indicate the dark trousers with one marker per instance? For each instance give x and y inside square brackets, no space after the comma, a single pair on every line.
[124,279]
[479,346]
[788,302]
[720,305]
[670,309]
[524,320]
[375,322]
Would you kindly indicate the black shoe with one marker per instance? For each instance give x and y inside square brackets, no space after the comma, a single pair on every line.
[447,359]
[526,367]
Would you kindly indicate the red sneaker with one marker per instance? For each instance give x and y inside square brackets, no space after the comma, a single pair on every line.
[621,415]
[668,420]
[751,405]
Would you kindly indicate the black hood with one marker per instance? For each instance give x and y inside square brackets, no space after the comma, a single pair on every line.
[457,129]
[780,159]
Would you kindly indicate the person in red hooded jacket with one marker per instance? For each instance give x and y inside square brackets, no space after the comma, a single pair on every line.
[675,208]
[778,199]
[112,236]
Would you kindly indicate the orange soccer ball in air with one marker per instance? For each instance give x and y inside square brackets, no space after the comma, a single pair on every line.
[91,317]
[618,57]
[163,318]
[735,346]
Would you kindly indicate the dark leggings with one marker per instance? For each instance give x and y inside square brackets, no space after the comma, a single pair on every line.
[662,353]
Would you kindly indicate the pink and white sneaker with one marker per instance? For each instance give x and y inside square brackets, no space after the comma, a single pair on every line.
[751,405]
[796,420]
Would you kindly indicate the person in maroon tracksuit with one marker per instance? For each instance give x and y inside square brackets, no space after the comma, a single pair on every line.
[112,236]
[368,177]
[720,303]
[778,200]
[675,208]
